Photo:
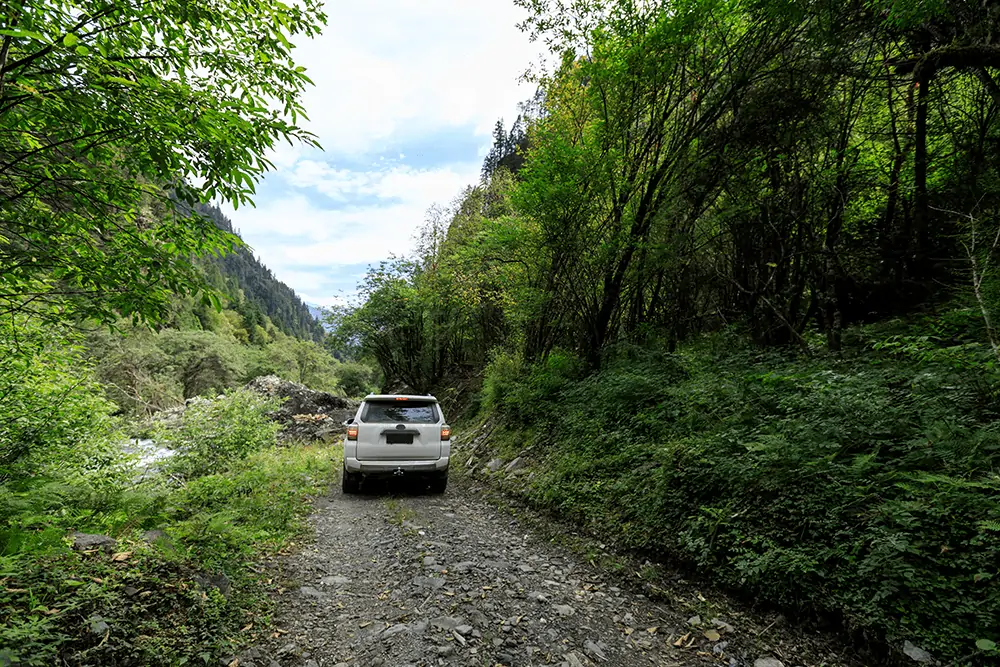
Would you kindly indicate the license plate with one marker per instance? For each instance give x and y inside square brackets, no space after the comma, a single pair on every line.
[399,438]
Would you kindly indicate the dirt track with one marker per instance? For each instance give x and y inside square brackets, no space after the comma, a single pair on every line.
[397,579]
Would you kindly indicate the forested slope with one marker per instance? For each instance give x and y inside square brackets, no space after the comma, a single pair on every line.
[734,302]
[244,277]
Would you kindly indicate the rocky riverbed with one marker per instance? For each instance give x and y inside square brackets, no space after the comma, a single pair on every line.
[396,580]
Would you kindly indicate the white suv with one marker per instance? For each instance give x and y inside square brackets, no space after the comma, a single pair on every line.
[397,436]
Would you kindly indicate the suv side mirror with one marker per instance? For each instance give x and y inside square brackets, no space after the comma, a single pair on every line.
[348,421]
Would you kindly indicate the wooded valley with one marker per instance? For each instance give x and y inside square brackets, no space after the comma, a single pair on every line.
[727,289]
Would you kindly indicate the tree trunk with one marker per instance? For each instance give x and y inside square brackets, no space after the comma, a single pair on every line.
[922,77]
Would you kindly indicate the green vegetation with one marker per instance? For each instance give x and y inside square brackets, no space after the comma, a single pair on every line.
[119,124]
[732,276]
[863,485]
[188,595]
[111,114]
[146,370]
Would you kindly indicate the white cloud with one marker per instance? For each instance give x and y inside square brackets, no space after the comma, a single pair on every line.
[310,247]
[389,68]
[387,74]
[400,196]
[400,182]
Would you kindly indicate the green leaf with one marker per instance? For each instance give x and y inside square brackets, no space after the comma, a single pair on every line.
[21,32]
[986,644]
[82,50]
[70,40]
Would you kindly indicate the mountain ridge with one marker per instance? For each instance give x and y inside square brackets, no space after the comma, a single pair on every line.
[245,277]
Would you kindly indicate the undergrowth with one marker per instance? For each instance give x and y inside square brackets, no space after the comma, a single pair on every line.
[189,594]
[863,485]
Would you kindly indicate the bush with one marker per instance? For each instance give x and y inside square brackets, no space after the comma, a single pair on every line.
[240,498]
[219,524]
[216,433]
[865,488]
[519,392]
[53,417]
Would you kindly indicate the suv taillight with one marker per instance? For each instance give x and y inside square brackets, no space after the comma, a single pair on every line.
[352,432]
[446,433]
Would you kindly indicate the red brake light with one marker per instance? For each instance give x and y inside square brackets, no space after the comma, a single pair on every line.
[446,433]
[352,432]
[402,398]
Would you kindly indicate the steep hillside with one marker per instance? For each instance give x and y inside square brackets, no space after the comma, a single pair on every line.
[243,274]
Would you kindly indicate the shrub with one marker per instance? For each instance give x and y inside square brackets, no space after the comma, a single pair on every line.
[215,433]
[865,488]
[53,417]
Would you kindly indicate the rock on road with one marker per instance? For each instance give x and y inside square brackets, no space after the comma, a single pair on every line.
[416,580]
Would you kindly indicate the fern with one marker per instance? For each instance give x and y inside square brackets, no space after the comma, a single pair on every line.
[990,525]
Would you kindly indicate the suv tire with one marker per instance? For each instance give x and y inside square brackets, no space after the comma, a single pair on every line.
[439,483]
[350,483]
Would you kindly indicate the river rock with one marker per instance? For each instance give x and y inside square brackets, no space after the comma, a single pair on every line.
[768,661]
[916,653]
[88,541]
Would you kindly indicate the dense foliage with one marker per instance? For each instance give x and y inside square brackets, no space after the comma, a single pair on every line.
[772,177]
[189,594]
[119,123]
[102,107]
[863,486]
[199,351]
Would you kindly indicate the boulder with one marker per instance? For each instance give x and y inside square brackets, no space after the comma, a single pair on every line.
[305,413]
[88,542]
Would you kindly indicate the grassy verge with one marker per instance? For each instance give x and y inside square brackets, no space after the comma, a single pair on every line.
[863,486]
[189,595]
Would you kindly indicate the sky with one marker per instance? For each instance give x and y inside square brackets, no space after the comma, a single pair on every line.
[407,94]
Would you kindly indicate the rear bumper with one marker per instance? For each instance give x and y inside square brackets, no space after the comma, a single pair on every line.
[393,468]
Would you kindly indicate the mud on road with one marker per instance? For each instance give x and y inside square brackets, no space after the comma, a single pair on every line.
[397,578]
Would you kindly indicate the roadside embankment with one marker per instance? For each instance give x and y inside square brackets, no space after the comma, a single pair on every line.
[861,488]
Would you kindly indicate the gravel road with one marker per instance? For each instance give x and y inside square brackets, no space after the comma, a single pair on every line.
[395,580]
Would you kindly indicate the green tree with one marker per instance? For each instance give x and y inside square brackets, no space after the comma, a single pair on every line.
[110,115]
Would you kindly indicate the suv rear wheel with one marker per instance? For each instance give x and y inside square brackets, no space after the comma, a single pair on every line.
[350,482]
[439,483]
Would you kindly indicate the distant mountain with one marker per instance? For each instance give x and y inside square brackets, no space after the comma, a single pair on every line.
[319,314]
[315,311]
[245,278]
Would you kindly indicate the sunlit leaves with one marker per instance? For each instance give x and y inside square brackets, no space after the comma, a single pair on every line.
[107,108]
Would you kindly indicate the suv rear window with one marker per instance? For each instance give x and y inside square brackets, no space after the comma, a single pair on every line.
[400,412]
